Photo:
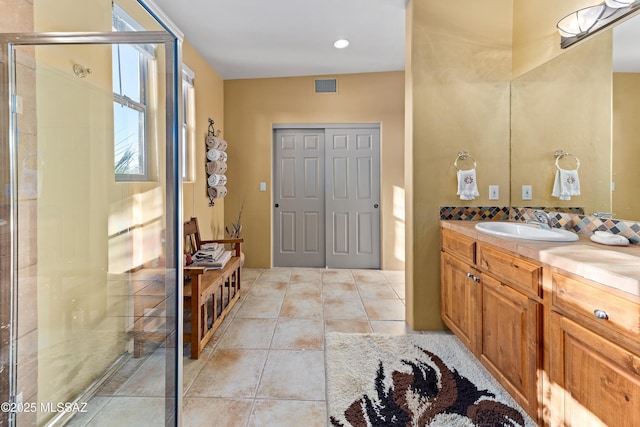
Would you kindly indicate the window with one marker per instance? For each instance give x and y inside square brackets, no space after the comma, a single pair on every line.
[188,122]
[130,64]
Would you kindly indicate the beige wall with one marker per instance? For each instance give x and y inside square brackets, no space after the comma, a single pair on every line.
[209,99]
[253,106]
[460,69]
[626,149]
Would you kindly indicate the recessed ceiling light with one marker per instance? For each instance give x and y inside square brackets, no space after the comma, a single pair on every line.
[341,44]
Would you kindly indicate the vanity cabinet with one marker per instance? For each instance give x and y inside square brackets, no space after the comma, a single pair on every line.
[509,343]
[459,299]
[566,348]
[490,305]
[595,354]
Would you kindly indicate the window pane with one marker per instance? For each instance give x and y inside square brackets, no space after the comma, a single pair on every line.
[129,137]
[126,71]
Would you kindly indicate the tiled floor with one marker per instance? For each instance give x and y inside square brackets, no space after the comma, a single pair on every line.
[265,364]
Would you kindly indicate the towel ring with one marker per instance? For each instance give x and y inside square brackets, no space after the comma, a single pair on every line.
[560,154]
[463,155]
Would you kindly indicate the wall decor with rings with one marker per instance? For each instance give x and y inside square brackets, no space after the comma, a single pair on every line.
[216,164]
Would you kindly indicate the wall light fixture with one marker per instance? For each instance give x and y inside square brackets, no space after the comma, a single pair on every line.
[584,22]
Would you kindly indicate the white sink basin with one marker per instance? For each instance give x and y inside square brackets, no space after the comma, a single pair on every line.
[522,230]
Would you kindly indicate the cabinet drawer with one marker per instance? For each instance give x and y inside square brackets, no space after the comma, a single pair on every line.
[583,297]
[457,244]
[517,272]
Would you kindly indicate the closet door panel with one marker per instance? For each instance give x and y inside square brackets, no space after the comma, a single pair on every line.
[298,210]
[353,214]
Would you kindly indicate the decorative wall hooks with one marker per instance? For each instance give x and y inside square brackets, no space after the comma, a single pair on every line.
[212,131]
[216,164]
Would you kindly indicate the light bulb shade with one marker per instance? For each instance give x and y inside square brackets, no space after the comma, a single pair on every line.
[581,21]
[617,4]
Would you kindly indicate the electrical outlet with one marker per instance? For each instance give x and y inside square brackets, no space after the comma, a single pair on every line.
[494,192]
[263,186]
[527,192]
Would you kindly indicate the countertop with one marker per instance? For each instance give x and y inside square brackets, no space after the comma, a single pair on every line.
[614,266]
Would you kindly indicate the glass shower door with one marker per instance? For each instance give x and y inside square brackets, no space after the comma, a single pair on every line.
[91,206]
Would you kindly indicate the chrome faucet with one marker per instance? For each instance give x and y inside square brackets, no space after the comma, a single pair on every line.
[603,214]
[542,219]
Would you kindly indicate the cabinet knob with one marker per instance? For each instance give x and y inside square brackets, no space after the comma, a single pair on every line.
[476,279]
[469,275]
[601,314]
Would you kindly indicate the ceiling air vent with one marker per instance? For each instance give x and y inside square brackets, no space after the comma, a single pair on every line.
[326,86]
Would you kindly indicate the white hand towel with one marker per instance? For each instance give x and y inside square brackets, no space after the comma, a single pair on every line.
[566,184]
[216,155]
[216,143]
[216,179]
[467,185]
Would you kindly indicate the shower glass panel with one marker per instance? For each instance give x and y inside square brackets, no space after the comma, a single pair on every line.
[94,327]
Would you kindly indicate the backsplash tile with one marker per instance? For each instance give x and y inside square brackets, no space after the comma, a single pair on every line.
[473,213]
[569,218]
[523,214]
[584,224]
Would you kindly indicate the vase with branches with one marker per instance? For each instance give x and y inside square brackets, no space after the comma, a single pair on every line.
[236,228]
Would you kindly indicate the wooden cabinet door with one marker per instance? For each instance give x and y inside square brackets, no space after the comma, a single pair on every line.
[458,299]
[509,337]
[594,382]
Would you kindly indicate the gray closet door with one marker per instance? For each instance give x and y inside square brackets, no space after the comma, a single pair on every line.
[352,159]
[299,199]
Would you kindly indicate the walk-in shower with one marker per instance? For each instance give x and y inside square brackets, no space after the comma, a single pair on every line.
[90,197]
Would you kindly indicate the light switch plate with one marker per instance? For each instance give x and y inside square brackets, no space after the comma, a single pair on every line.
[263,186]
[494,192]
[527,192]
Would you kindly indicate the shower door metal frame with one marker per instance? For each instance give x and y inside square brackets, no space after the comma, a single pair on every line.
[8,138]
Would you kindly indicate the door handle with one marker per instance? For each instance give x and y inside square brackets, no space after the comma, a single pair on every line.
[276,205]
[375,206]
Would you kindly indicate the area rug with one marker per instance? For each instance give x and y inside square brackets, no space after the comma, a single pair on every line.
[426,379]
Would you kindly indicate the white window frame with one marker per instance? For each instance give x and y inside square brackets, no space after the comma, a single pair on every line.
[188,123]
[122,21]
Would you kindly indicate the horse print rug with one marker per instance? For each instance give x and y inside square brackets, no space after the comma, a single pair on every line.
[427,379]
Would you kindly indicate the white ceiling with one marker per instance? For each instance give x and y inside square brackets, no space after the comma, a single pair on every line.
[282,38]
